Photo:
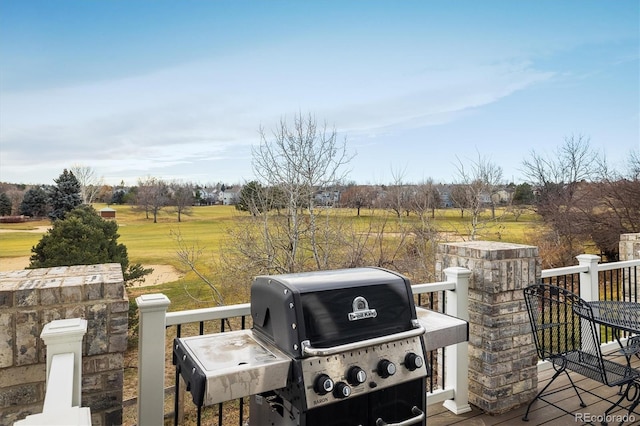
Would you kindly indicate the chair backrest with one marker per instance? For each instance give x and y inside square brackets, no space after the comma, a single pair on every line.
[557,328]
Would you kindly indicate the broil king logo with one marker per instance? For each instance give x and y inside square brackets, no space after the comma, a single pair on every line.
[361,310]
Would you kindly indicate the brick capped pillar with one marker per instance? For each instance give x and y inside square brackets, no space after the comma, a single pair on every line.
[502,356]
[32,298]
[629,246]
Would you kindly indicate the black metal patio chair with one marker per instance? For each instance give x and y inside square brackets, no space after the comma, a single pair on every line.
[566,335]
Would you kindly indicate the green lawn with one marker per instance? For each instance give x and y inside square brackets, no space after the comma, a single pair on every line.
[146,242]
[153,243]
[16,244]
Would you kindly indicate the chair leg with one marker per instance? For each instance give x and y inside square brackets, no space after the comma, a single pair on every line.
[526,415]
[553,378]
[582,404]
[616,404]
[635,400]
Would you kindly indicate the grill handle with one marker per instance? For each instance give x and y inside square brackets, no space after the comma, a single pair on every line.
[419,416]
[308,350]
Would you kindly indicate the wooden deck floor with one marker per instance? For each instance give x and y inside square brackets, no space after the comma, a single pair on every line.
[541,413]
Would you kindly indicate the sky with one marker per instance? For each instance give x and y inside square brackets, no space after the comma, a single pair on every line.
[179,90]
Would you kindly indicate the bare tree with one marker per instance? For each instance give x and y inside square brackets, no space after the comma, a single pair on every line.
[426,199]
[90,183]
[152,196]
[189,255]
[459,198]
[560,181]
[573,162]
[357,197]
[610,206]
[182,198]
[634,165]
[398,193]
[298,159]
[15,196]
[478,180]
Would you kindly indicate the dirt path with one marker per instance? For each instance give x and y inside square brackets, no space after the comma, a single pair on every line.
[36,230]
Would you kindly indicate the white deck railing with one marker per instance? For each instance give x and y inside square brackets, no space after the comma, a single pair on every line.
[154,319]
[454,393]
[63,338]
[64,376]
[589,269]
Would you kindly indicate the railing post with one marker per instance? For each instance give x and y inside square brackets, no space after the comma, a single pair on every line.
[65,336]
[589,289]
[457,356]
[502,370]
[151,358]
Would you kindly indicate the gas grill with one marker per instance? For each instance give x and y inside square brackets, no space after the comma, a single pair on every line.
[355,343]
[341,347]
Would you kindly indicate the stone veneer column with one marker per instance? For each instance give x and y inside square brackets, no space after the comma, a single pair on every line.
[629,246]
[502,356]
[31,298]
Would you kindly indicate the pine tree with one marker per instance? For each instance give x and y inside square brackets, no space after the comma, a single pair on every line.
[65,196]
[34,203]
[5,205]
[84,238]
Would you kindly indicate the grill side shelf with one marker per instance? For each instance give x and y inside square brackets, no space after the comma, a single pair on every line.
[441,329]
[225,366]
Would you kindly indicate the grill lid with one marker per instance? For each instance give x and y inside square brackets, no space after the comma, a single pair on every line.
[330,308]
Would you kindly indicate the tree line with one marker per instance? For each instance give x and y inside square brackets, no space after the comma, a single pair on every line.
[580,198]
[78,235]
[151,195]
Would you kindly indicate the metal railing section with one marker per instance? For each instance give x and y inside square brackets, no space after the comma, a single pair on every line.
[452,296]
[593,281]
[590,279]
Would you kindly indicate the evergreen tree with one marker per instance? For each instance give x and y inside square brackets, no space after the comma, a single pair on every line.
[65,196]
[5,205]
[118,196]
[84,238]
[34,203]
[523,194]
[252,198]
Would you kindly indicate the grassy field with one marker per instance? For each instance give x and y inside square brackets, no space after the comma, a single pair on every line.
[151,243]
[146,242]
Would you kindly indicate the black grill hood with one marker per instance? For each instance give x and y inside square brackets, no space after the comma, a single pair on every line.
[330,308]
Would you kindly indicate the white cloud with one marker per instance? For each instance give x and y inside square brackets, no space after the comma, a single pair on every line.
[208,109]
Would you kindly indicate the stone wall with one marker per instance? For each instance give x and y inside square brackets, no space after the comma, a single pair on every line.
[31,298]
[502,356]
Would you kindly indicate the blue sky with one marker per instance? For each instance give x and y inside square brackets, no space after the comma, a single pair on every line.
[178,90]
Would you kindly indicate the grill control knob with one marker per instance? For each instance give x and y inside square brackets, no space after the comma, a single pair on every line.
[323,384]
[386,368]
[413,361]
[356,376]
[342,390]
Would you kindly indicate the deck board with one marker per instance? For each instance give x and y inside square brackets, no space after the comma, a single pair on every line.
[541,413]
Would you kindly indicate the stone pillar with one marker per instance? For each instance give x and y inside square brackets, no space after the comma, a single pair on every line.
[629,246]
[502,357]
[31,298]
